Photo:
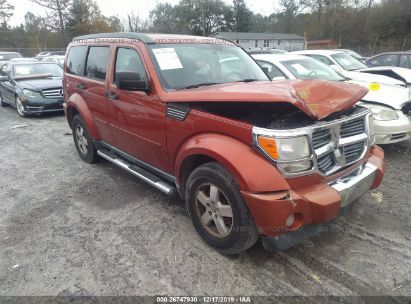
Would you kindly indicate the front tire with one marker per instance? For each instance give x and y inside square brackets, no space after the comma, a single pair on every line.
[84,143]
[218,211]
[20,107]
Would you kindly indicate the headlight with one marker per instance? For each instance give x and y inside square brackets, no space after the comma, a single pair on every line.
[383,113]
[290,153]
[31,94]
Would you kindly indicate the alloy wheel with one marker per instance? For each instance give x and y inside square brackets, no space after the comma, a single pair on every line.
[81,139]
[20,107]
[214,210]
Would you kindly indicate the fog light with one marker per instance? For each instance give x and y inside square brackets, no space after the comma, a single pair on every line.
[290,220]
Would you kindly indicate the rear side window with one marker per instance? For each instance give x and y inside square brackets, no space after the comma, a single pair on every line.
[97,61]
[405,61]
[387,60]
[76,59]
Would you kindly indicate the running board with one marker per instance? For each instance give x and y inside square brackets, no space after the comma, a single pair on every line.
[139,172]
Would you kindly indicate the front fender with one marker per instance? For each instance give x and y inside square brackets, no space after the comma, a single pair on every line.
[252,171]
[77,102]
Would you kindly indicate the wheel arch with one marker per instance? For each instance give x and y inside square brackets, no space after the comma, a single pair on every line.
[252,172]
[77,105]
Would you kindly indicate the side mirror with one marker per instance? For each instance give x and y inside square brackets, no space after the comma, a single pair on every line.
[4,78]
[131,81]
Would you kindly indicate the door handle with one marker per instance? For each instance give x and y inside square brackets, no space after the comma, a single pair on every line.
[81,86]
[111,95]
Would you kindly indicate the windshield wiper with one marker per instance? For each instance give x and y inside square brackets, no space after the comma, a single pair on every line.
[248,80]
[204,84]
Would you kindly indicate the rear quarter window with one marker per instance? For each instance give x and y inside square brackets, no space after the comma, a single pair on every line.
[76,60]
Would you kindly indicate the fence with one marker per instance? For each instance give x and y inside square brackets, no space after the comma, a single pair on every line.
[30,52]
[377,46]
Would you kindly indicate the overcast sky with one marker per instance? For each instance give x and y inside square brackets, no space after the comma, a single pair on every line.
[122,7]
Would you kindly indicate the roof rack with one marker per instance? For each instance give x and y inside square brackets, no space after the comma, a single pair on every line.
[128,35]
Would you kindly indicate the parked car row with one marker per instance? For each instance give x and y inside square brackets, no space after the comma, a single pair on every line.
[261,145]
[390,104]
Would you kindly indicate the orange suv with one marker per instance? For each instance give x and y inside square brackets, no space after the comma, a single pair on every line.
[198,117]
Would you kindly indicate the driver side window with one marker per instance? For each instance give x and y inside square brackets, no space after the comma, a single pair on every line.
[128,60]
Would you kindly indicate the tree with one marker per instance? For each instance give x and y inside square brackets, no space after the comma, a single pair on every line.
[58,12]
[164,19]
[289,10]
[137,24]
[86,18]
[6,11]
[242,16]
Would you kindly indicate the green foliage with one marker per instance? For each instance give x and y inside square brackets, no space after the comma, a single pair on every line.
[371,24]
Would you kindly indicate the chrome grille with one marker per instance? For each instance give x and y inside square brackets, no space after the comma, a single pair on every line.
[352,128]
[326,163]
[53,93]
[321,138]
[339,144]
[353,152]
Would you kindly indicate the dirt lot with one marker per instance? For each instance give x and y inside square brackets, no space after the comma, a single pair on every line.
[69,228]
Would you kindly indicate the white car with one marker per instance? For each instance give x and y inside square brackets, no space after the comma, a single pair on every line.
[398,73]
[56,59]
[390,105]
[348,66]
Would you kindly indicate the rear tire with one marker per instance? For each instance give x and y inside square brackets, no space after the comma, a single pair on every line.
[84,143]
[218,211]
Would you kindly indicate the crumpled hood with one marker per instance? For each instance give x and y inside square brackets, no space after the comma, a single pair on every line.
[317,98]
[392,96]
[363,76]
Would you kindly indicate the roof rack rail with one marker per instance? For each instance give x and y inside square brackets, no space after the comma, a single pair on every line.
[127,35]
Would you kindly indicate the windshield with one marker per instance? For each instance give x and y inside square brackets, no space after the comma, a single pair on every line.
[190,65]
[60,61]
[311,69]
[348,62]
[37,69]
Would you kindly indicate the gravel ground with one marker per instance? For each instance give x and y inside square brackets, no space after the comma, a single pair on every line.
[69,228]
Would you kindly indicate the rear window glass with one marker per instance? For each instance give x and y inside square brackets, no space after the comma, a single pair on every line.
[97,61]
[76,59]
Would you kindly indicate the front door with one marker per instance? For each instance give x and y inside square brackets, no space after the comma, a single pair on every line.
[137,118]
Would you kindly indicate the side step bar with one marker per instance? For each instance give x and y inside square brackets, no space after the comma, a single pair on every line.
[139,172]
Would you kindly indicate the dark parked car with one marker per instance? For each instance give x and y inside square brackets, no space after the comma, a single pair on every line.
[398,59]
[31,87]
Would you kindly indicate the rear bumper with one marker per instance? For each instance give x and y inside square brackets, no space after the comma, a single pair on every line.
[312,207]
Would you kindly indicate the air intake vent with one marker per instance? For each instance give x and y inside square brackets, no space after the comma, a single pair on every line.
[326,163]
[321,138]
[353,152]
[54,93]
[351,128]
[177,112]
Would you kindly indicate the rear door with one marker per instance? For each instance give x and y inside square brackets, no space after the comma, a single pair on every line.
[137,117]
[94,88]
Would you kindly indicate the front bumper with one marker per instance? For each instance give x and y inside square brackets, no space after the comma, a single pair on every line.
[392,131]
[46,105]
[313,206]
